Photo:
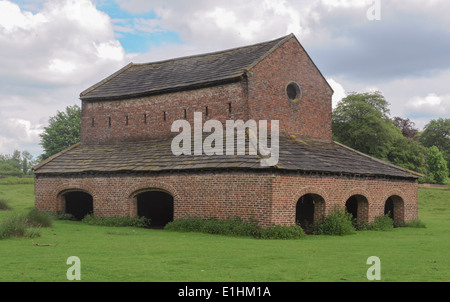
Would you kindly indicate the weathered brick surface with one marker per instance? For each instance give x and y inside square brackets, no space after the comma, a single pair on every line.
[146,115]
[267,198]
[311,115]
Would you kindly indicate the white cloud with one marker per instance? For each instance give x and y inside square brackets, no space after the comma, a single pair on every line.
[431,105]
[47,57]
[339,91]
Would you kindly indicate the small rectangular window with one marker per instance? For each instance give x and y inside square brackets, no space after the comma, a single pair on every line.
[93,122]
[206,111]
[145,118]
[229,108]
[109,121]
[126,120]
[185,113]
[164,115]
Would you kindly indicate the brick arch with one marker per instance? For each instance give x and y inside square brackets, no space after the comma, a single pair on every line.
[356,191]
[319,208]
[60,190]
[309,190]
[398,205]
[363,204]
[133,191]
[136,189]
[394,192]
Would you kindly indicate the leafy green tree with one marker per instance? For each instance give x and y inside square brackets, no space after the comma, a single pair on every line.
[361,121]
[437,133]
[7,169]
[63,131]
[408,153]
[437,166]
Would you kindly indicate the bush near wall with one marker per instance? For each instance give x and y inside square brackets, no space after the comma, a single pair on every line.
[235,227]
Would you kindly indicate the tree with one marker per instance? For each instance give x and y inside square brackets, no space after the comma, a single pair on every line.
[407,127]
[16,164]
[437,166]
[361,121]
[63,131]
[408,153]
[437,133]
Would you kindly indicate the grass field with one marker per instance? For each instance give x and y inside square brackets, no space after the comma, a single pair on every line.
[133,254]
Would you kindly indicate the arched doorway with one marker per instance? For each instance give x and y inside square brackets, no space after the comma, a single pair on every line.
[308,209]
[389,208]
[352,207]
[78,203]
[157,206]
[394,208]
[358,207]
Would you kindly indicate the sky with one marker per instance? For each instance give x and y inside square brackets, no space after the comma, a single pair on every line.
[52,50]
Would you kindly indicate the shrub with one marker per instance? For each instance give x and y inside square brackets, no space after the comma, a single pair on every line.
[64,216]
[39,218]
[16,226]
[234,227]
[415,224]
[140,222]
[283,232]
[4,205]
[338,223]
[382,223]
[187,224]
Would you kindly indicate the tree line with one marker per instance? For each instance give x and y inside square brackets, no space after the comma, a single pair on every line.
[16,164]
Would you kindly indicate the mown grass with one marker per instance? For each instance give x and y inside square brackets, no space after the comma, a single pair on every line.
[136,254]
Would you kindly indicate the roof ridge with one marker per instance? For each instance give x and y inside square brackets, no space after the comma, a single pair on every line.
[216,52]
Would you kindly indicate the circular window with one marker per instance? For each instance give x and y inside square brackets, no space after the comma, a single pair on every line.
[294,92]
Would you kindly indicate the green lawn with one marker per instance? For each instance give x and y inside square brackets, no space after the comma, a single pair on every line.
[132,254]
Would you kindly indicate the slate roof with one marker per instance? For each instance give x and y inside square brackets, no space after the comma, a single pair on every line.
[135,80]
[296,154]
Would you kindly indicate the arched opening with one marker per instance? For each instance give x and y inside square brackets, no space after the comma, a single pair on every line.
[352,207]
[389,208]
[309,208]
[79,204]
[358,207]
[157,206]
[393,207]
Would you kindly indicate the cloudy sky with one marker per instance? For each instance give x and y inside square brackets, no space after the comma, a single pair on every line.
[51,50]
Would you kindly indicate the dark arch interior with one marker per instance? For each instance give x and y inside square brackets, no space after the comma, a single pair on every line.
[352,206]
[157,206]
[304,211]
[79,204]
[389,208]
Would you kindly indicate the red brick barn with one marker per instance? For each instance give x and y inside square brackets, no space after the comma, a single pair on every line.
[124,165]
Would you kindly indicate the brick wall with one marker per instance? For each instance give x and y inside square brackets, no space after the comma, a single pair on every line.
[268,198]
[149,117]
[267,81]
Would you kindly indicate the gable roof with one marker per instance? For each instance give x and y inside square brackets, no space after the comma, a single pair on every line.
[136,80]
[155,155]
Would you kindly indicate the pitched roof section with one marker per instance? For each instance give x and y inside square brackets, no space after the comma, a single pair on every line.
[136,80]
[296,154]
